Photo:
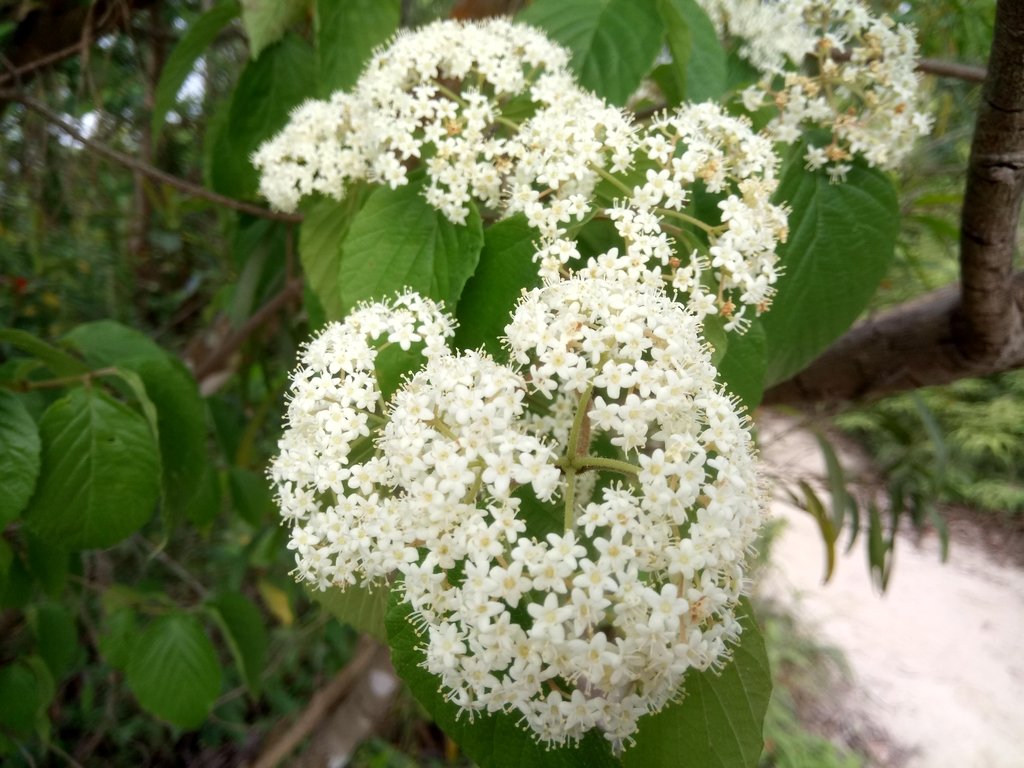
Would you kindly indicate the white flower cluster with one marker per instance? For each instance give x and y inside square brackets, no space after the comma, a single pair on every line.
[325,467]
[445,97]
[701,145]
[831,64]
[436,97]
[571,529]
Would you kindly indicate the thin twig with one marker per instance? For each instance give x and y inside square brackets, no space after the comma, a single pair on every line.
[13,73]
[320,705]
[953,70]
[144,168]
[216,359]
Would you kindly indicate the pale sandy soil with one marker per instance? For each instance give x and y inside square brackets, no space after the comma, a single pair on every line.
[938,661]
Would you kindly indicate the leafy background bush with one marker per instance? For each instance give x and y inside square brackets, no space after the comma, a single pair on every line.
[188,640]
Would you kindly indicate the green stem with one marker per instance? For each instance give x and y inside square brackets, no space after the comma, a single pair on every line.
[445,91]
[617,183]
[572,450]
[584,463]
[680,216]
[442,428]
[27,385]
[507,122]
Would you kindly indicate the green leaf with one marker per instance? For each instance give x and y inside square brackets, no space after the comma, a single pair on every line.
[828,529]
[357,606]
[397,240]
[19,456]
[491,741]
[49,562]
[56,636]
[185,457]
[26,688]
[58,361]
[171,389]
[100,472]
[118,637]
[282,77]
[842,501]
[173,670]
[613,42]
[841,239]
[181,61]
[698,60]
[719,720]
[251,494]
[321,235]
[346,34]
[246,635]
[138,390]
[506,268]
[742,368]
[266,21]
[205,505]
[108,343]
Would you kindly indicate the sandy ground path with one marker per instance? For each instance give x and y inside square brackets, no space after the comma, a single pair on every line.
[938,661]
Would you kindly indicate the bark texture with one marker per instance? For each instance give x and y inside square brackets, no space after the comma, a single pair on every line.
[977,326]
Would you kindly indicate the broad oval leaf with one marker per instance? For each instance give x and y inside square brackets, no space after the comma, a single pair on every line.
[266,21]
[56,636]
[397,240]
[19,456]
[173,670]
[613,42]
[172,390]
[246,634]
[718,723]
[698,59]
[742,367]
[283,76]
[506,268]
[841,240]
[357,606]
[100,478]
[491,741]
[321,235]
[106,342]
[346,34]
[26,689]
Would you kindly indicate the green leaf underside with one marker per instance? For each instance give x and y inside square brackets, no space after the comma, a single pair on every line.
[173,670]
[346,34]
[718,723]
[357,607]
[698,60]
[506,268]
[19,456]
[397,241]
[613,42]
[321,236]
[491,741]
[246,635]
[266,21]
[193,44]
[841,240]
[100,472]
